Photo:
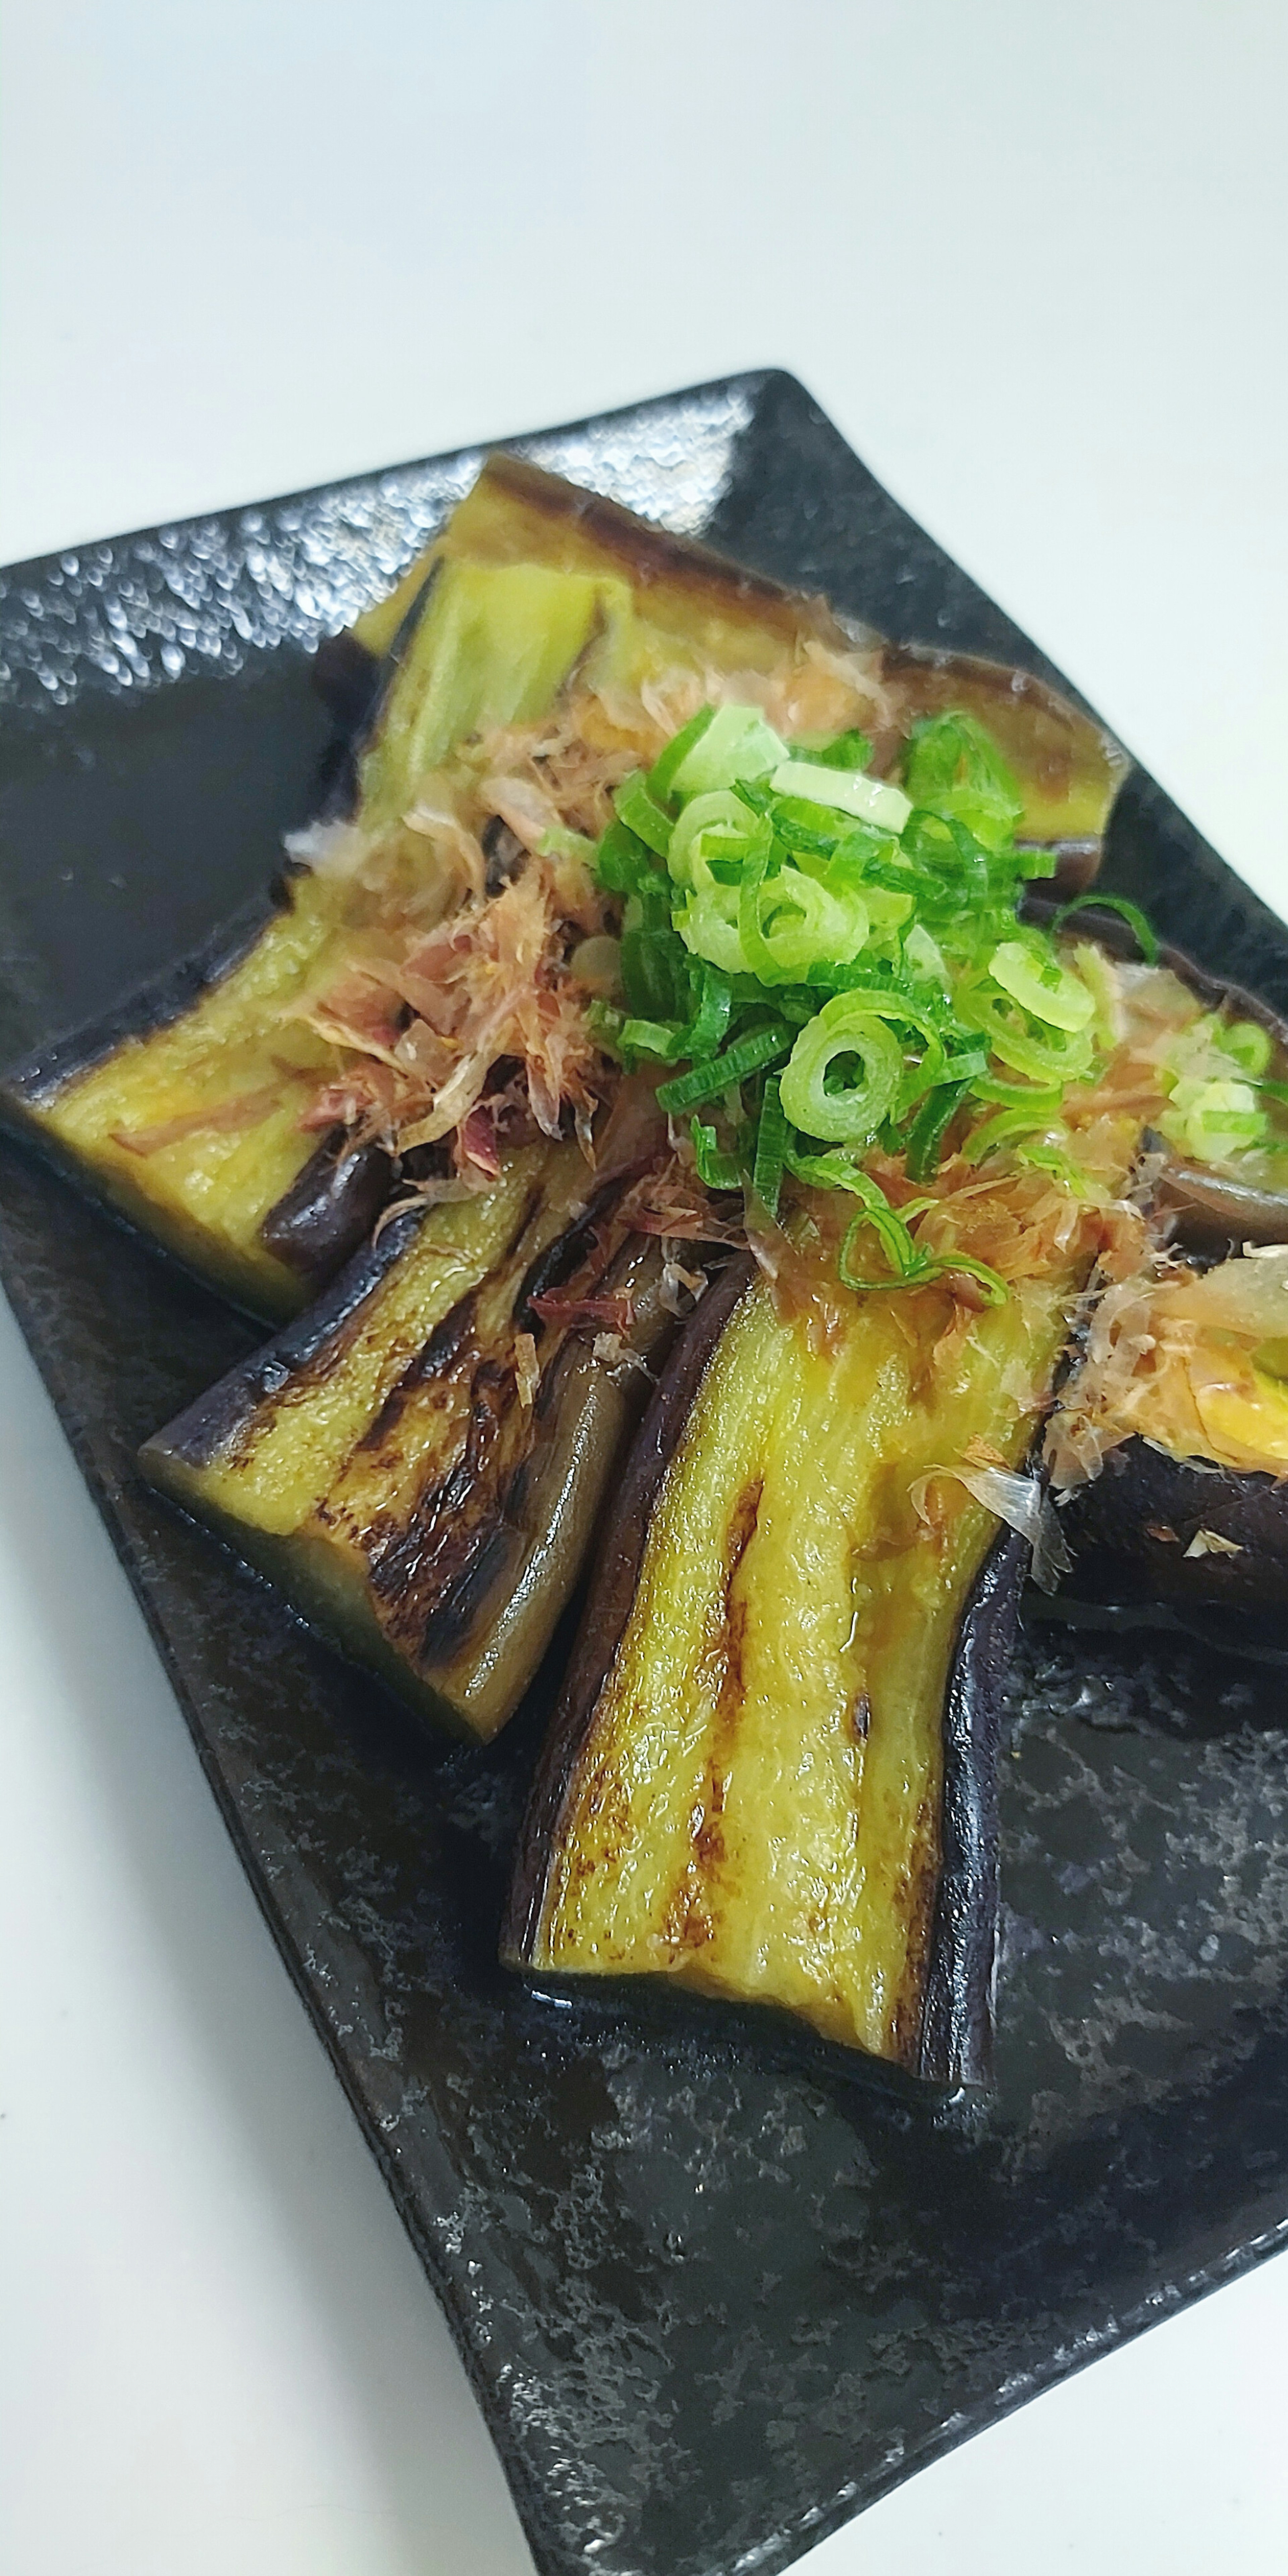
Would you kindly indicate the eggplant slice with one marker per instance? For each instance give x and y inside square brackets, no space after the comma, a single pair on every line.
[418,1463]
[771,1777]
[1179,1532]
[182,1110]
[1190,1501]
[772,1773]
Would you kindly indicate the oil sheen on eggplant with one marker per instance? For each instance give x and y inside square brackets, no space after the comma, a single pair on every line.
[531,581]
[744,1789]
[385,1462]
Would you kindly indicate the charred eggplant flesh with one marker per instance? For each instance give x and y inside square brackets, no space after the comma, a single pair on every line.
[418,1463]
[744,1789]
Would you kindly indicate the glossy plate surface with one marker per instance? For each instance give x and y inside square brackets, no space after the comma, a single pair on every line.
[715,2292]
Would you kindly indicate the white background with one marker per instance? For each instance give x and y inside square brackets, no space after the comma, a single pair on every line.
[1031,259]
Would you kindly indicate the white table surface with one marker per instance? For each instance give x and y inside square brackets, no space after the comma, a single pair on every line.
[1031,259]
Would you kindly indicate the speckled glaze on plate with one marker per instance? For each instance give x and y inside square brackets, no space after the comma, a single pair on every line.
[714,2291]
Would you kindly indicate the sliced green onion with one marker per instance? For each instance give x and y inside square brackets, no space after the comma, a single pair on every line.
[1042,1100]
[789,923]
[717,825]
[708,925]
[872,799]
[852,750]
[636,808]
[664,1038]
[1042,986]
[1056,1057]
[784,904]
[1213,1121]
[846,1026]
[989,1279]
[929,1128]
[1100,976]
[1036,859]
[680,745]
[1045,1157]
[623,862]
[716,1170]
[902,1275]
[1130,912]
[560,844]
[1003,1128]
[772,1134]
[925,956]
[721,1072]
[652,963]
[737,743]
[838,1172]
[954,768]
[1249,1046]
[711,1019]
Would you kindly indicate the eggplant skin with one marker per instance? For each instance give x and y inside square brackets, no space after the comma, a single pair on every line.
[379,1461]
[328,1213]
[1145,1511]
[955,2048]
[921,2008]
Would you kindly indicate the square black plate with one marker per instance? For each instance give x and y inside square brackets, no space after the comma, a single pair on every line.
[714,2296]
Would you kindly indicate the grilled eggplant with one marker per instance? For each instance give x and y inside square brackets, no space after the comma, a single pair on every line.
[1068,769]
[1181,1531]
[184,1110]
[419,1461]
[758,1776]
[771,1777]
[1180,1410]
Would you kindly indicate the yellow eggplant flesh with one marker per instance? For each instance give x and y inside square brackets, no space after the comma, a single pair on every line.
[495,644]
[529,579]
[750,1804]
[1067,768]
[204,1188]
[712,614]
[184,1111]
[382,1463]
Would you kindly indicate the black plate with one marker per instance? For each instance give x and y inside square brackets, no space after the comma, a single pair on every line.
[714,2295]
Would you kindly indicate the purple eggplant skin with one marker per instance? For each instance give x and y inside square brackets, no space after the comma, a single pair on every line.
[958,2017]
[329,1211]
[28,1085]
[347,678]
[954,2051]
[311,1234]
[214,1420]
[1145,1510]
[166,996]
[439,1545]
